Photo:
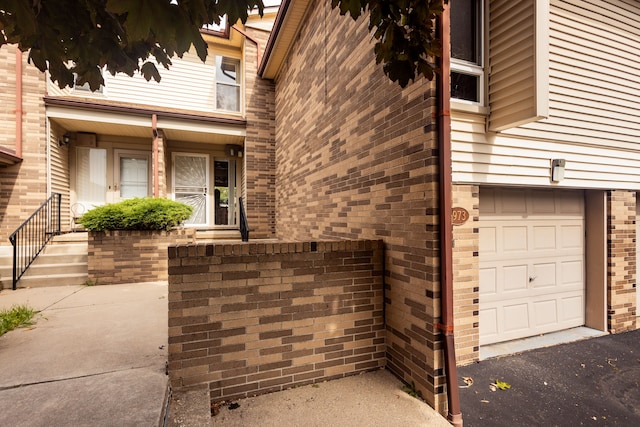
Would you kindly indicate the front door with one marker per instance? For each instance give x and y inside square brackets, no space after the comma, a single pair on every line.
[132,174]
[191,185]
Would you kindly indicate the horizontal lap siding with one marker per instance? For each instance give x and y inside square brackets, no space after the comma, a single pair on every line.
[594,122]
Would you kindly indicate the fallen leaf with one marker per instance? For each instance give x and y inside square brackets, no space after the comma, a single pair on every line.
[468,382]
[484,401]
[492,387]
[502,385]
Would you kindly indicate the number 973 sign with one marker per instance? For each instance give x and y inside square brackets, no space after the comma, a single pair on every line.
[459,216]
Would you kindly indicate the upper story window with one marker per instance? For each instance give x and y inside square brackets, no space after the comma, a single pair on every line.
[466,51]
[227,84]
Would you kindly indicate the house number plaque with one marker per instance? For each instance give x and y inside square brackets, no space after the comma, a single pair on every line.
[459,216]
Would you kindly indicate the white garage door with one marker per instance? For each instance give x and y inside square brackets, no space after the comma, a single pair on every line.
[531,262]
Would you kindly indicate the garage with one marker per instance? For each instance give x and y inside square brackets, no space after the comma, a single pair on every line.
[531,262]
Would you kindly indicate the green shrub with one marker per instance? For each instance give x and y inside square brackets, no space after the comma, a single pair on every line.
[137,214]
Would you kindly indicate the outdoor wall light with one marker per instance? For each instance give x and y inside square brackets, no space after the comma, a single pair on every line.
[557,170]
[66,138]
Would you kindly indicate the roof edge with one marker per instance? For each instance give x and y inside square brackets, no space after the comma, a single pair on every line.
[8,157]
[74,103]
[273,38]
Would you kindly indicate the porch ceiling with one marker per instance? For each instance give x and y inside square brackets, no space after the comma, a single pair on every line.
[139,126]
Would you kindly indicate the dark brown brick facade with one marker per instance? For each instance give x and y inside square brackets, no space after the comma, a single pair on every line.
[621,271]
[259,154]
[260,317]
[132,256]
[356,157]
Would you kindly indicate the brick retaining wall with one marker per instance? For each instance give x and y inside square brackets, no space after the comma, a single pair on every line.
[254,318]
[123,256]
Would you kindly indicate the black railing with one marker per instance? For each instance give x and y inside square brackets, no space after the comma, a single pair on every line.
[32,236]
[244,224]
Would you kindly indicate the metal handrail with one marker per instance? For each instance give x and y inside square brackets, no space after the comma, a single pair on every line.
[244,224]
[32,236]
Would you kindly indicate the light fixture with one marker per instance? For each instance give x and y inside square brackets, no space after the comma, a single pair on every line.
[66,138]
[557,170]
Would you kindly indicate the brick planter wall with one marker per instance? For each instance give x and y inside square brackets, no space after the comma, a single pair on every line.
[260,317]
[132,256]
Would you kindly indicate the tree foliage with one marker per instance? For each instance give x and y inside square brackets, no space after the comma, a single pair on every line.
[405,31]
[75,39]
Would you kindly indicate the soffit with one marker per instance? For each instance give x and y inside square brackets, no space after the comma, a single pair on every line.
[140,126]
[284,33]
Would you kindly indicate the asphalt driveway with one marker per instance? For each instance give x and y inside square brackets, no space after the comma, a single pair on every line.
[594,382]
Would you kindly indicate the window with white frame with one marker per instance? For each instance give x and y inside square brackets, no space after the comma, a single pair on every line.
[228,84]
[466,51]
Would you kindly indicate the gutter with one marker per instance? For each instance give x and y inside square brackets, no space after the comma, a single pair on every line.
[65,102]
[446,226]
[248,37]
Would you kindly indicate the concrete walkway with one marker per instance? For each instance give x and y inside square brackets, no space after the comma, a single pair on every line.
[95,357]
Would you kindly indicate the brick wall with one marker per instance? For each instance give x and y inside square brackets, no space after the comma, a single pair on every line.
[23,187]
[132,256]
[466,281]
[260,317]
[259,152]
[621,269]
[356,157]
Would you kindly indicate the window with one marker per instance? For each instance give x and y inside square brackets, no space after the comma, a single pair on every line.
[227,84]
[466,50]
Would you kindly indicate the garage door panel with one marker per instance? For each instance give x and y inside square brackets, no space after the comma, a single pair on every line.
[544,275]
[515,201]
[532,276]
[541,203]
[489,318]
[489,280]
[544,237]
[545,312]
[573,310]
[515,239]
[572,273]
[516,317]
[488,240]
[572,237]
[515,278]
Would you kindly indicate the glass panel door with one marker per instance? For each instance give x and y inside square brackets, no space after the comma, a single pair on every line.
[224,192]
[131,174]
[191,184]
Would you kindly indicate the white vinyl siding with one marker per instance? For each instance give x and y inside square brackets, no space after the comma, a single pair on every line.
[518,62]
[594,121]
[60,178]
[189,85]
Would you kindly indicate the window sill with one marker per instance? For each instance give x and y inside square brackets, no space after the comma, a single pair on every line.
[466,107]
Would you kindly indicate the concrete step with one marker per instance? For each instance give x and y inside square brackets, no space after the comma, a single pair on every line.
[220,234]
[61,263]
[41,281]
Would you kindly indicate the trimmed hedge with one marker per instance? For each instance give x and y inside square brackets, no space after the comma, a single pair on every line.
[146,213]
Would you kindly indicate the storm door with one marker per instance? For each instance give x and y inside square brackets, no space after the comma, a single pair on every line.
[191,185]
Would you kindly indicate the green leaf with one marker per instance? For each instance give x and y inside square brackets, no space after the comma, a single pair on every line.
[149,70]
[502,385]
